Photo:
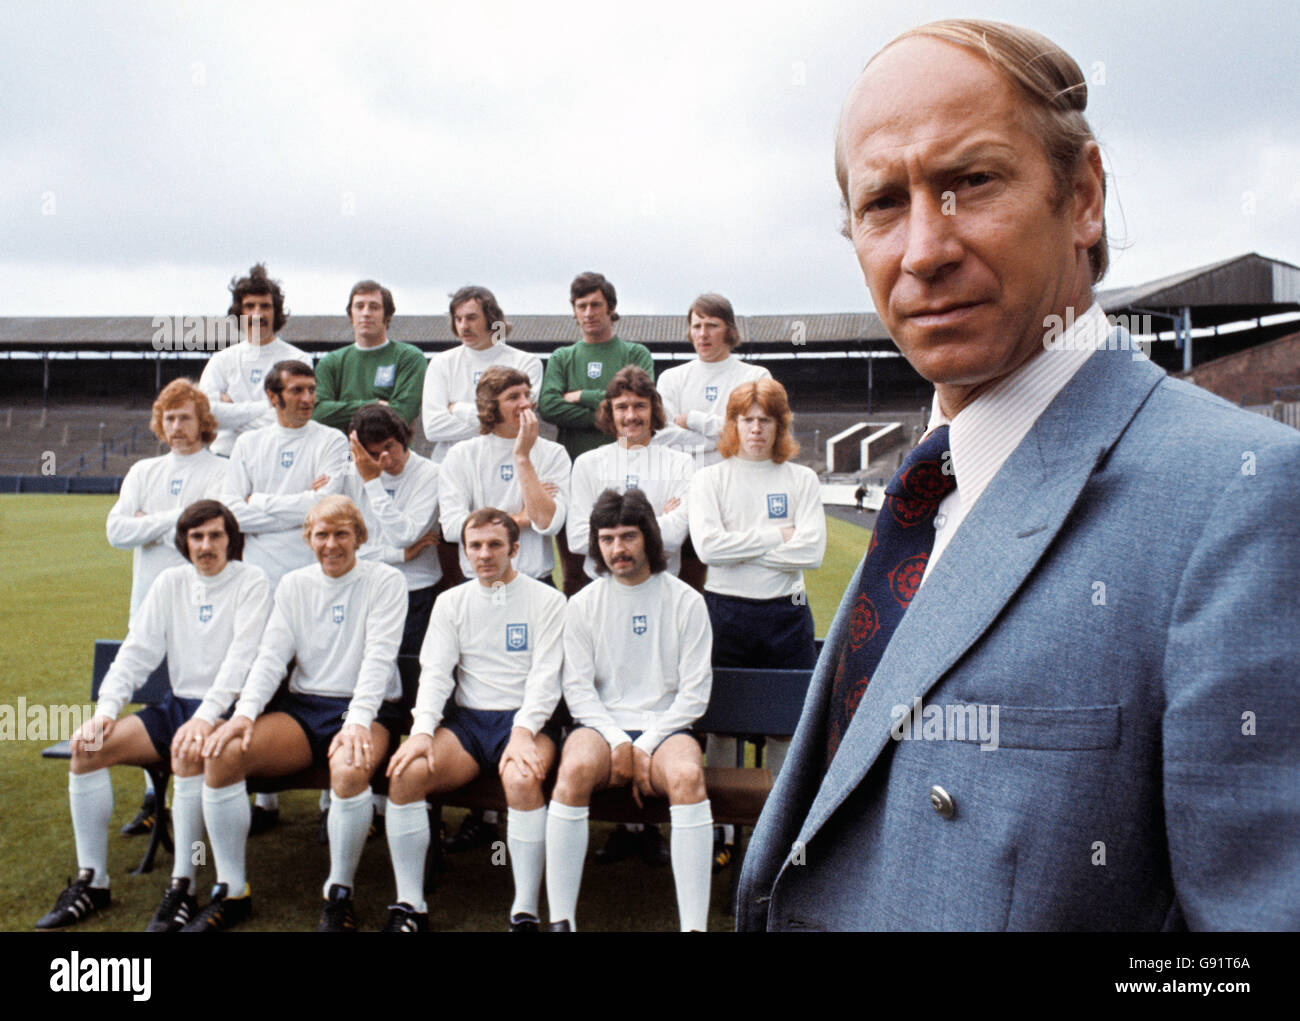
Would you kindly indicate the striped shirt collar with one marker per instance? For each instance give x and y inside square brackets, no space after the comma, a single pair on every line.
[985,432]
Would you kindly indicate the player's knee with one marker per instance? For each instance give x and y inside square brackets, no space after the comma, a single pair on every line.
[520,788]
[685,782]
[577,777]
[225,768]
[84,761]
[348,781]
[411,785]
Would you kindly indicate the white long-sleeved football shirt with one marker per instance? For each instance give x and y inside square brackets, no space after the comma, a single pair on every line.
[660,472]
[452,380]
[343,634]
[162,487]
[637,657]
[240,371]
[737,510]
[701,390]
[398,509]
[499,647]
[481,473]
[207,628]
[268,487]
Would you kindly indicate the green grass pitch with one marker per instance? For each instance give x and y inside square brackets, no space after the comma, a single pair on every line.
[62,586]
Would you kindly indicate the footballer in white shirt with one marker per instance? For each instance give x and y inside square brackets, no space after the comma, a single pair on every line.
[233,378]
[340,621]
[450,408]
[632,413]
[205,617]
[153,494]
[637,644]
[508,466]
[157,489]
[495,645]
[757,522]
[277,473]
[397,492]
[695,394]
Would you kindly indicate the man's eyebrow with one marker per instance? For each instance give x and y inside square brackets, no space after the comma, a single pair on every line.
[943,165]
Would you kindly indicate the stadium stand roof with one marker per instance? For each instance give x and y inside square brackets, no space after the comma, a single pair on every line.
[1245,287]
[126,333]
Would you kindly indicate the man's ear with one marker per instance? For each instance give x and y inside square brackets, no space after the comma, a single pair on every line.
[1089,198]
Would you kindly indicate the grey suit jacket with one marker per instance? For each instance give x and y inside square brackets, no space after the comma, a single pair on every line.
[1124,592]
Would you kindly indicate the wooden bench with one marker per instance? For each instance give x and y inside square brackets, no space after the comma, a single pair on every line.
[745,704]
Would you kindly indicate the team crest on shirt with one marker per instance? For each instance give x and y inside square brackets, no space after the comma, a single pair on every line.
[516,638]
[255,376]
[205,613]
[176,486]
[710,393]
[477,373]
[392,493]
[336,613]
[385,375]
[778,505]
[594,369]
[507,472]
[286,459]
[639,624]
[632,481]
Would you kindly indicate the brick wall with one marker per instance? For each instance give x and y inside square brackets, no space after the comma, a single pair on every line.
[1248,377]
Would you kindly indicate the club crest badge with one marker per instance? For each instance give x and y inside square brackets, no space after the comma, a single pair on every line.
[507,472]
[778,505]
[286,459]
[255,376]
[477,373]
[710,393]
[594,369]
[639,624]
[175,487]
[392,493]
[633,481]
[385,375]
[205,613]
[516,637]
[336,613]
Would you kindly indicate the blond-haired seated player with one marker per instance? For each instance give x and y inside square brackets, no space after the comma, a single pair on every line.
[340,621]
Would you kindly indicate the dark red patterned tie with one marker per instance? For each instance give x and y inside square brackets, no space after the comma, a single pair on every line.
[894,565]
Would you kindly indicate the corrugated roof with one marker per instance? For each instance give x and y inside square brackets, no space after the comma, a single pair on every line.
[1242,287]
[434,330]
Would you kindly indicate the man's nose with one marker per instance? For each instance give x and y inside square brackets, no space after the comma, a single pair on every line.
[932,241]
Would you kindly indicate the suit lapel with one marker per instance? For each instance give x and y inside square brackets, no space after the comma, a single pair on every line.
[994,551]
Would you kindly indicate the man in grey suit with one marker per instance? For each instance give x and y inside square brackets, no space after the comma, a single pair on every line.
[1087,716]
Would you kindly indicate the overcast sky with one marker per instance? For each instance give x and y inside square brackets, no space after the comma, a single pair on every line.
[149,151]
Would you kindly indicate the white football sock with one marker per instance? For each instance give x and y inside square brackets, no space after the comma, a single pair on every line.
[691,848]
[227,815]
[148,783]
[407,828]
[380,802]
[187,824]
[526,839]
[348,826]
[270,802]
[90,796]
[566,853]
[325,799]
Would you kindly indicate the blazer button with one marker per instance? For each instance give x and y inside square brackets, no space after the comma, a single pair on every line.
[941,801]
